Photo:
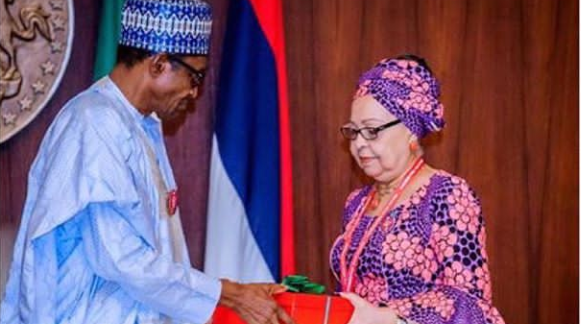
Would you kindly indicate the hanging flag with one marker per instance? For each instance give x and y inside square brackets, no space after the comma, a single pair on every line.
[250,225]
[109,31]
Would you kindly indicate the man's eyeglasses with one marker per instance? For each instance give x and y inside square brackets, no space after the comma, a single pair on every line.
[368,133]
[196,76]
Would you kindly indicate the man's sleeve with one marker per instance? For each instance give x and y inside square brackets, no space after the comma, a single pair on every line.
[117,253]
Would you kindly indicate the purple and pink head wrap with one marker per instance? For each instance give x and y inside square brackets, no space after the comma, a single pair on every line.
[408,91]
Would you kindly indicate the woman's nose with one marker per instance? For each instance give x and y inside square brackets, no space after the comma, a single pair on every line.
[359,141]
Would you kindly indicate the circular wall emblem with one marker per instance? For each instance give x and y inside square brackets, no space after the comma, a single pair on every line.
[35,44]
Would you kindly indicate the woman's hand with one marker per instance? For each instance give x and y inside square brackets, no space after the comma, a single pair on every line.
[366,313]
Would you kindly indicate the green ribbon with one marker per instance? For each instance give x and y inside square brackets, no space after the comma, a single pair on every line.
[302,284]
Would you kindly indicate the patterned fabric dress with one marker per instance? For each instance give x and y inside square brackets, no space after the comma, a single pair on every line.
[427,260]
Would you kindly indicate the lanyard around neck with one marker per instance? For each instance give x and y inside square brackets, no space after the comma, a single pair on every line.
[347,274]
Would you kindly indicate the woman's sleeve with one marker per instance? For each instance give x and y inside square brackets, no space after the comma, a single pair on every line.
[457,262]
[351,204]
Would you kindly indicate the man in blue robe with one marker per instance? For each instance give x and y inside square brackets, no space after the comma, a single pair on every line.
[100,239]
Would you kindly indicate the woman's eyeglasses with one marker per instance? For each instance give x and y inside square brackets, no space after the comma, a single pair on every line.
[196,76]
[368,133]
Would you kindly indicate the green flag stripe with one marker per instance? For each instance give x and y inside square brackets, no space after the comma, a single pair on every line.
[109,30]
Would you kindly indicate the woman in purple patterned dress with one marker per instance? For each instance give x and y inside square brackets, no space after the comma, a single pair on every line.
[415,238]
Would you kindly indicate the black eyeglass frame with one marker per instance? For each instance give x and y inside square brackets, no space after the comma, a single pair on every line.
[372,132]
[197,76]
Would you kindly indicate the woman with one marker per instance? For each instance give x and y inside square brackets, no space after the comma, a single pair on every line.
[415,238]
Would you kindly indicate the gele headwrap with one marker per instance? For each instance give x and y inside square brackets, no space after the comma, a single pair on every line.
[170,26]
[408,91]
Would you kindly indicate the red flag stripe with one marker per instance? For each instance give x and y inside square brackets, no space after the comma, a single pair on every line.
[269,13]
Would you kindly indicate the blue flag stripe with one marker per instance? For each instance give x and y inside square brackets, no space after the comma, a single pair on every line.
[247,126]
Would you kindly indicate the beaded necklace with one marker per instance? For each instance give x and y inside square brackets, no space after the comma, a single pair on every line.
[347,274]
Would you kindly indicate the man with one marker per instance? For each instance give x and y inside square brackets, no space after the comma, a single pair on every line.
[100,239]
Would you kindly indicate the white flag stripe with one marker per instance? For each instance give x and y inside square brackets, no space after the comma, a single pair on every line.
[231,249]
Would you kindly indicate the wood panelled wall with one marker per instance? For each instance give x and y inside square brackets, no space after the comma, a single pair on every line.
[509,73]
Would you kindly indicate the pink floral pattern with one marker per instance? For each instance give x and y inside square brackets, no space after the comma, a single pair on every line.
[402,306]
[372,288]
[438,301]
[457,275]
[402,252]
[431,265]
[464,209]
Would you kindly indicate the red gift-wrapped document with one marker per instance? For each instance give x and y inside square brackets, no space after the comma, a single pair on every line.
[303,308]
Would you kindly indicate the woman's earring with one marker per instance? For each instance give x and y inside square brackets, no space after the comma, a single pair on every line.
[413,146]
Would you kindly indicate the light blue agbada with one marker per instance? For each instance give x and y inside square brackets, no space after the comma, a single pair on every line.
[95,243]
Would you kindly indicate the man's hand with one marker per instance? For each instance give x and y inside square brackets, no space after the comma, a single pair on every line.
[254,302]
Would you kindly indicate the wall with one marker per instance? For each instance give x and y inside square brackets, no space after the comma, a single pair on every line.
[509,72]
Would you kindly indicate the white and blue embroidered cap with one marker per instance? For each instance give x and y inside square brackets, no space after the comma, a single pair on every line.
[169,26]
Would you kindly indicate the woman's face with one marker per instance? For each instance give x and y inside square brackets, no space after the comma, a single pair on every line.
[387,156]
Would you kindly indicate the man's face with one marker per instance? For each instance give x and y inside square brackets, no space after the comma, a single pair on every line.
[175,84]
